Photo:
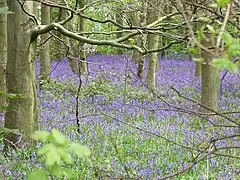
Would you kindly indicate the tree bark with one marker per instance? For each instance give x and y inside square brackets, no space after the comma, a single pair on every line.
[153,41]
[198,69]
[3,53]
[209,79]
[119,20]
[34,58]
[19,74]
[82,54]
[44,53]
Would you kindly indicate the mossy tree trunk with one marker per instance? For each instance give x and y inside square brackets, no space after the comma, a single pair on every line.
[44,52]
[20,77]
[82,54]
[209,79]
[60,47]
[119,20]
[138,18]
[34,58]
[3,52]
[142,38]
[198,69]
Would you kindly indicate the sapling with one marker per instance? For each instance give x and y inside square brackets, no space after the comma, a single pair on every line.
[56,151]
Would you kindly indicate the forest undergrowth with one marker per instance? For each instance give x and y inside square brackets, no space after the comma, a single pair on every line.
[133,132]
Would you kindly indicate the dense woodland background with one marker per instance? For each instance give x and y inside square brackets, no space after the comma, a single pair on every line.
[127,89]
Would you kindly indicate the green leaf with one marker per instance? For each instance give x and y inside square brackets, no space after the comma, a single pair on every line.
[131,41]
[227,38]
[79,150]
[56,171]
[194,51]
[201,33]
[66,157]
[52,157]
[57,138]
[41,135]
[211,29]
[224,63]
[39,174]
[223,3]
[234,50]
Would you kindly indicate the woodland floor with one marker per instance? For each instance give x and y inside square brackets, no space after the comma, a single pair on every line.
[131,132]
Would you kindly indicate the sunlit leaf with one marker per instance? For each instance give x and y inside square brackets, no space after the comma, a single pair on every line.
[39,174]
[79,150]
[227,38]
[223,3]
[41,135]
[66,157]
[224,63]
[58,138]
[211,29]
[52,157]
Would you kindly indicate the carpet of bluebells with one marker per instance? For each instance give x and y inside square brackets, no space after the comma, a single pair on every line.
[126,125]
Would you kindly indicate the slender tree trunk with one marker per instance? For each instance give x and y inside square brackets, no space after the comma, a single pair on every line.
[142,38]
[73,56]
[82,55]
[152,62]
[44,53]
[209,80]
[34,58]
[19,74]
[135,21]
[119,20]
[153,41]
[3,53]
[60,47]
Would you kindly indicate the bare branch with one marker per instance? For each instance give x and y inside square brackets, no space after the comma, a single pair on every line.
[223,28]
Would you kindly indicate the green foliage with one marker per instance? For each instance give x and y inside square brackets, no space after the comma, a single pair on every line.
[6,131]
[223,3]
[4,10]
[56,151]
[8,96]
[224,63]
[100,87]
[233,50]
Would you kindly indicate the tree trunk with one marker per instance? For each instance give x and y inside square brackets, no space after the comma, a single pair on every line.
[142,38]
[209,80]
[198,69]
[34,58]
[153,41]
[60,47]
[19,74]
[135,21]
[44,53]
[152,62]
[3,53]
[72,60]
[82,55]
[119,20]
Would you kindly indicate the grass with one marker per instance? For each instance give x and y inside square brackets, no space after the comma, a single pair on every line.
[136,148]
